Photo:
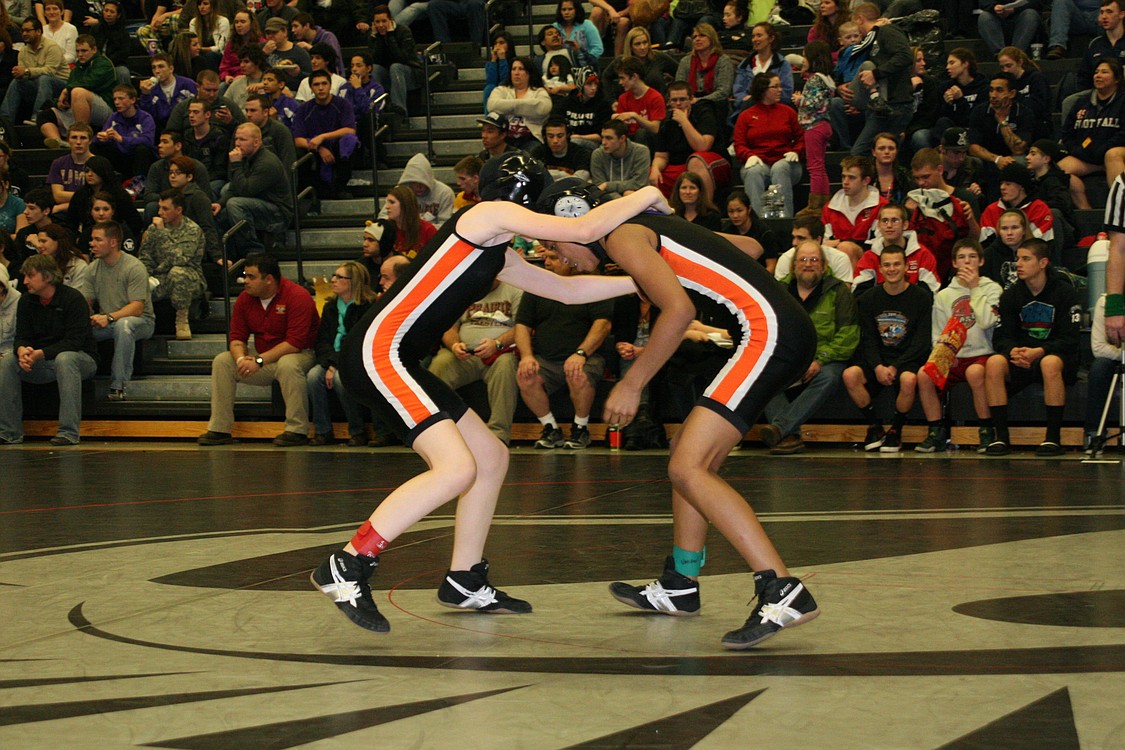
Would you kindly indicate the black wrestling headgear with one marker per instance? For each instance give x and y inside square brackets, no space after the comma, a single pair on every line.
[515,177]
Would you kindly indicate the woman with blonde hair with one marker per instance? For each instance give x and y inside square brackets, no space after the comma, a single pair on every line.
[659,69]
[708,72]
[351,296]
[412,232]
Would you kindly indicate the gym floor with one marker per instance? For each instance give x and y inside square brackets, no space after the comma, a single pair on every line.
[157,595]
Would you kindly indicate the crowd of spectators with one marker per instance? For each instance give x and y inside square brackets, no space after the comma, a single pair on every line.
[236,95]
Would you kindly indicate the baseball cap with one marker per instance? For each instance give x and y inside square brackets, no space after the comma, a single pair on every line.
[494,119]
[277,24]
[955,138]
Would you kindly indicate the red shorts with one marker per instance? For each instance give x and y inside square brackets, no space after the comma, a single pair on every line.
[717,166]
[961,366]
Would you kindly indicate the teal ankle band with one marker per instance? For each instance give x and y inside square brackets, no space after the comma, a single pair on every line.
[689,563]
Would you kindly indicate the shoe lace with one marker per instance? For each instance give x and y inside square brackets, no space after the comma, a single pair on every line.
[661,598]
[780,612]
[344,590]
[478,599]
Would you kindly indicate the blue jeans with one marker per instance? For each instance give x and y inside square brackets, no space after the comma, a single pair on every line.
[788,416]
[405,13]
[1067,18]
[1022,28]
[260,216]
[321,410]
[39,91]
[398,81]
[68,369]
[875,124]
[125,332]
[782,173]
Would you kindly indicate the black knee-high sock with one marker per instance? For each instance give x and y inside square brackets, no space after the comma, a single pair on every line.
[868,413]
[1000,419]
[898,421]
[1054,423]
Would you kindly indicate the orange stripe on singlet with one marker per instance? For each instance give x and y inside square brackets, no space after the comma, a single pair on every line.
[759,333]
[391,325]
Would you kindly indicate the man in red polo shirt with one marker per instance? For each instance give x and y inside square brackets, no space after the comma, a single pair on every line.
[282,318]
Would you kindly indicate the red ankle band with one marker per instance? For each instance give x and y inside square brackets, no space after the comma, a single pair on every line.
[367,541]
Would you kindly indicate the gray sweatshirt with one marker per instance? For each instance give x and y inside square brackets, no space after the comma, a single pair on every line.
[630,172]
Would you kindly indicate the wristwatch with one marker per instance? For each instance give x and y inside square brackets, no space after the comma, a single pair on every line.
[259,362]
[109,318]
[582,353]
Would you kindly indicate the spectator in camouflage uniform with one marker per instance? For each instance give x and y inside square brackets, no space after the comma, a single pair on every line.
[172,251]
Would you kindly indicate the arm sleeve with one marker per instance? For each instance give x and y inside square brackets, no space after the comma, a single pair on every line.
[1066,330]
[843,343]
[1004,340]
[76,326]
[870,352]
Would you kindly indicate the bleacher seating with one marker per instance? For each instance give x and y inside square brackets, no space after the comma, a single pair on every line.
[170,397]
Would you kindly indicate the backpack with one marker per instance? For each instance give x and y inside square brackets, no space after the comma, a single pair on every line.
[923,29]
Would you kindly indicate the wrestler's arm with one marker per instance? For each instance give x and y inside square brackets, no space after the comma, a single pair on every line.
[570,290]
[633,248]
[495,222]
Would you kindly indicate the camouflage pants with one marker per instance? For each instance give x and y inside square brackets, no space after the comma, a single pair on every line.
[181,285]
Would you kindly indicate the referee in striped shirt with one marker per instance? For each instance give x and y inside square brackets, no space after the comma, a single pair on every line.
[1115,268]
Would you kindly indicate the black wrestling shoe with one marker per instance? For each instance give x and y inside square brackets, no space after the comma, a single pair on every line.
[670,594]
[469,589]
[782,603]
[343,579]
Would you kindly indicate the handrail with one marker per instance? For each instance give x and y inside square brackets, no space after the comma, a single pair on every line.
[492,28]
[530,34]
[426,96]
[226,273]
[297,217]
[375,130]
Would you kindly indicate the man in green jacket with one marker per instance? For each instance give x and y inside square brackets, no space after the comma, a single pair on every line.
[830,304]
[89,90]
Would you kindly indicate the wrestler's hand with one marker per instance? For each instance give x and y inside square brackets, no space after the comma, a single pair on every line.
[622,404]
[656,199]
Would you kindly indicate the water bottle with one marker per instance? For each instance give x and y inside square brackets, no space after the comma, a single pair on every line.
[1096,258]
[769,203]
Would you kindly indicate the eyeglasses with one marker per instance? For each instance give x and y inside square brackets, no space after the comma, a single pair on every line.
[174,171]
[338,277]
[808,261]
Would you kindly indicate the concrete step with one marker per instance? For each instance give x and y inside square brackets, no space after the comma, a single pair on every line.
[441,123]
[315,238]
[321,267]
[196,388]
[457,98]
[352,207]
[390,177]
[199,347]
[453,148]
